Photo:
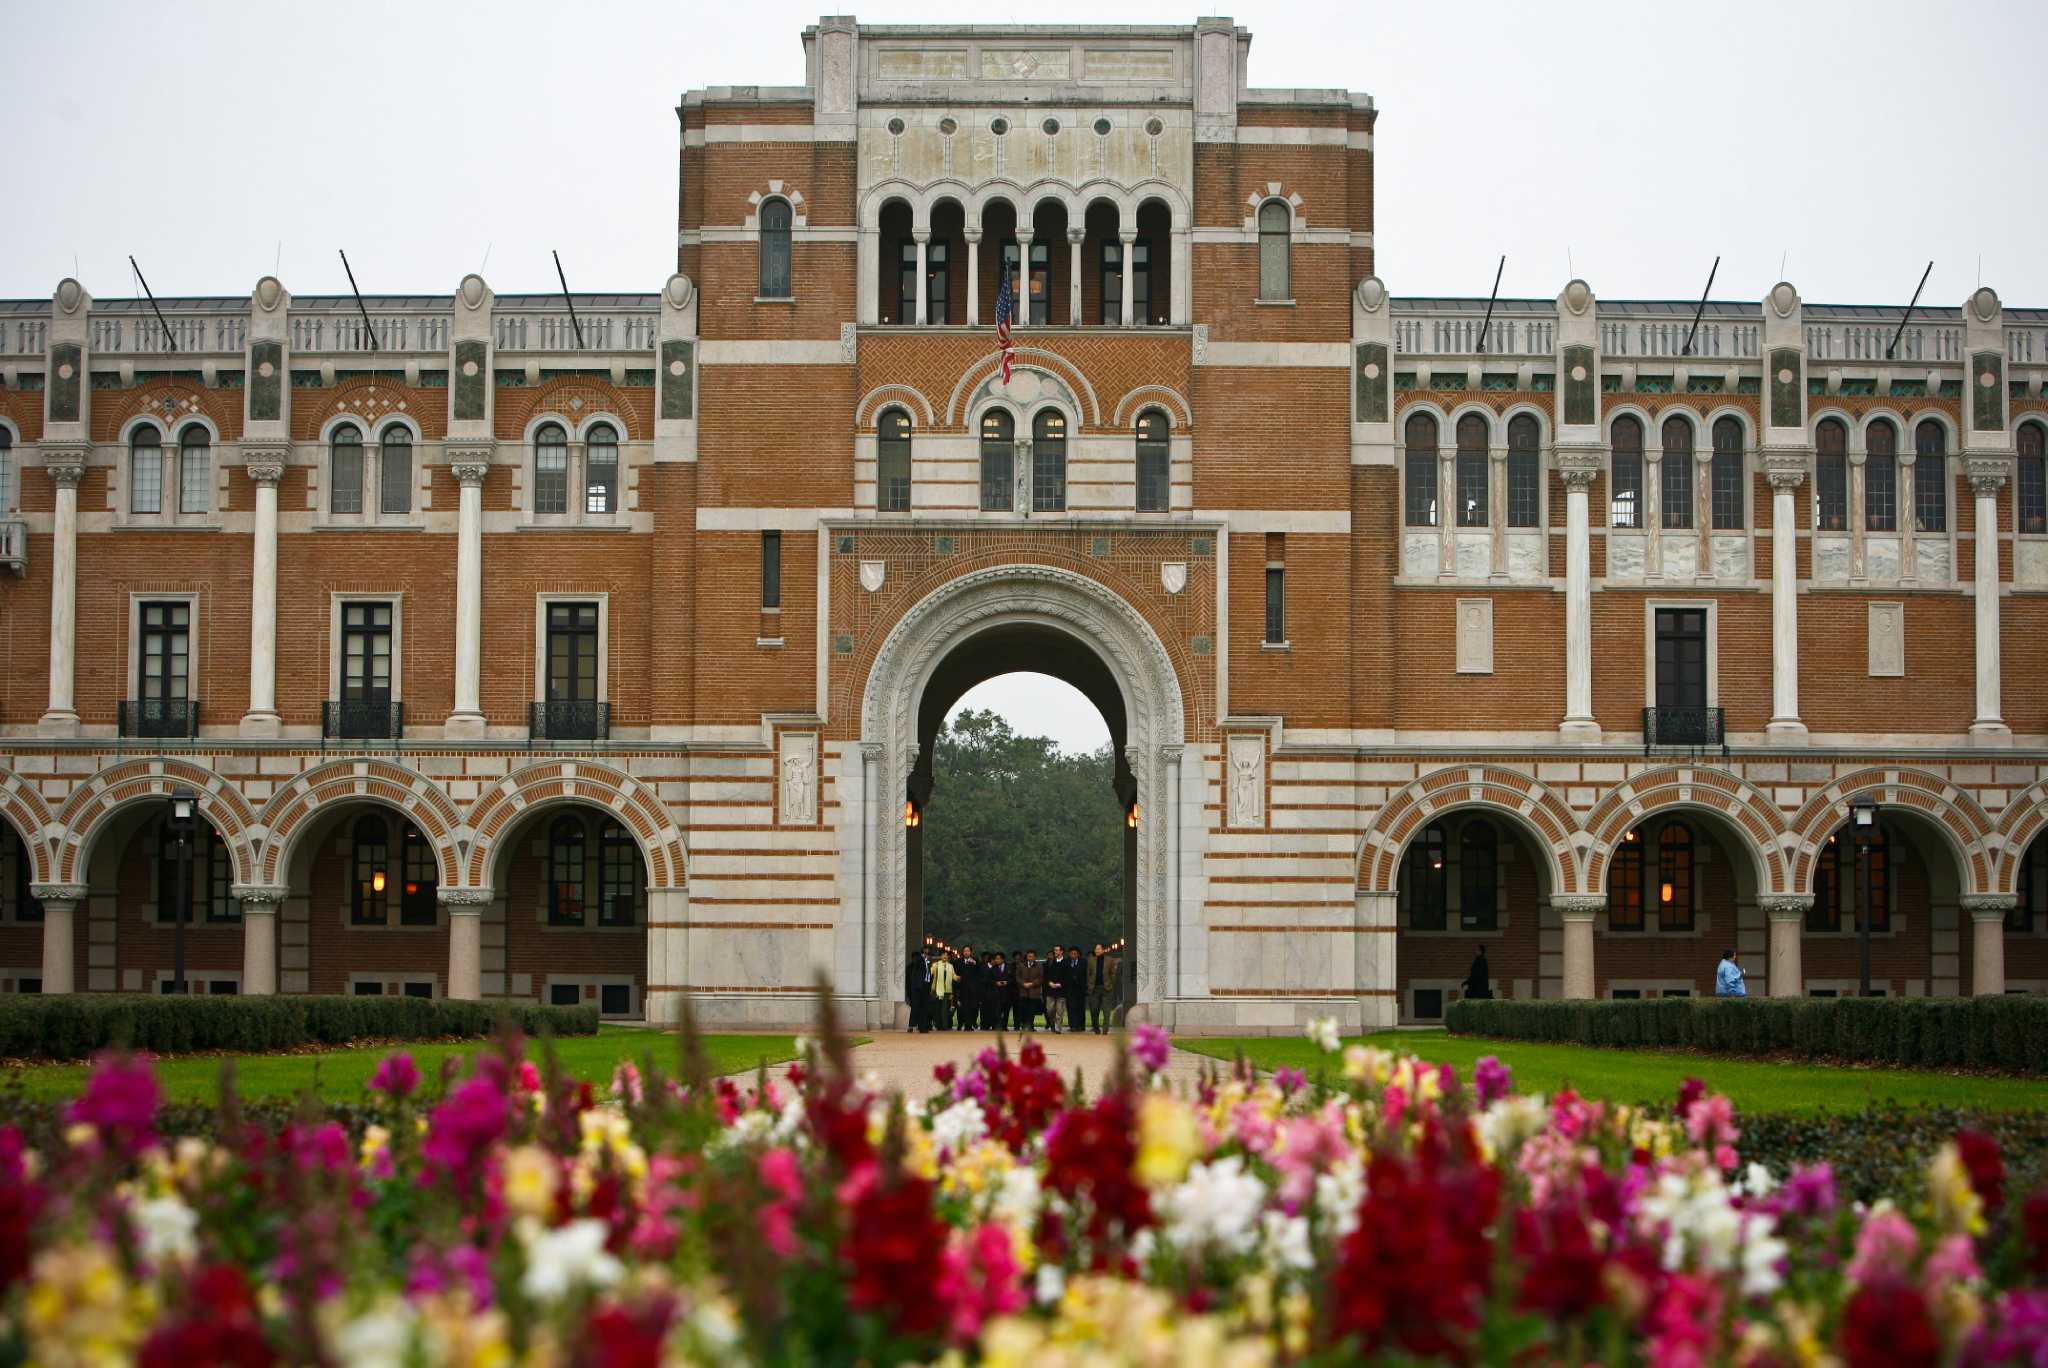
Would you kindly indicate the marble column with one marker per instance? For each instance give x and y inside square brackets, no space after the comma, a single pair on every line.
[1578,722]
[923,239]
[1787,966]
[1074,236]
[260,905]
[1020,301]
[1578,913]
[465,908]
[66,468]
[1129,240]
[1909,520]
[1497,512]
[266,469]
[1375,919]
[1987,942]
[1447,513]
[1785,723]
[467,720]
[1703,505]
[1653,510]
[60,918]
[973,276]
[1985,479]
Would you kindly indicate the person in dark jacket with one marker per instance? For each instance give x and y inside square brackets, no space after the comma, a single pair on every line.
[1030,991]
[1075,980]
[967,991]
[1055,991]
[996,991]
[917,992]
[1479,979]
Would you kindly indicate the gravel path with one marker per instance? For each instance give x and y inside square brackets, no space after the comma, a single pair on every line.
[905,1061]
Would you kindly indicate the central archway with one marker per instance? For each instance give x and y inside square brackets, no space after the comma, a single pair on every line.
[977,626]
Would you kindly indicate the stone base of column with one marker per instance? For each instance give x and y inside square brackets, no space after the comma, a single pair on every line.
[1579,731]
[464,727]
[58,724]
[262,726]
[1990,731]
[1785,731]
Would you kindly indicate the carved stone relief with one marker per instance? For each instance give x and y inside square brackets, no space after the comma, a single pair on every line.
[1475,636]
[1247,780]
[799,775]
[1887,639]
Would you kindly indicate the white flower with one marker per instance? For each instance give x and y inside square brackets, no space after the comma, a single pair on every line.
[559,1259]
[789,1126]
[1284,1242]
[1696,1218]
[1142,1245]
[959,1126]
[1756,1181]
[166,1226]
[802,1046]
[1051,1284]
[747,1128]
[1322,1033]
[1017,1198]
[1510,1121]
[1338,1193]
[1217,1206]
[379,1338]
[1762,1251]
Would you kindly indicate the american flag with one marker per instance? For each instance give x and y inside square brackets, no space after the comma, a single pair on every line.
[1005,306]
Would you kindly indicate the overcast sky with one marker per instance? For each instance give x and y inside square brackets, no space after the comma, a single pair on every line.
[1634,142]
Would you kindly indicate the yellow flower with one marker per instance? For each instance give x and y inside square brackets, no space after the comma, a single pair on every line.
[1168,1140]
[81,1311]
[531,1178]
[1956,1207]
[376,1144]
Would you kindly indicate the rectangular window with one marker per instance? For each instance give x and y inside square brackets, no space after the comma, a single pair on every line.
[1276,604]
[1930,493]
[1141,280]
[551,477]
[1041,283]
[614,999]
[1681,657]
[1429,1004]
[1831,493]
[1524,489]
[771,569]
[347,494]
[1626,501]
[565,994]
[1421,493]
[906,281]
[1728,493]
[367,988]
[366,652]
[935,275]
[417,988]
[619,881]
[1677,490]
[146,480]
[418,904]
[166,663]
[394,464]
[1472,510]
[572,653]
[1626,994]
[2033,494]
[1881,493]
[1111,309]
[195,477]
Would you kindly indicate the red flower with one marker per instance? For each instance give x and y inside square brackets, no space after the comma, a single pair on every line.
[1561,1265]
[21,1201]
[1091,1153]
[616,1336]
[218,1327]
[1886,1325]
[1413,1275]
[1986,1167]
[2034,1218]
[894,1250]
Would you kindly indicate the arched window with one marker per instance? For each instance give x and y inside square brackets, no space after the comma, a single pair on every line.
[601,470]
[1930,477]
[892,462]
[998,460]
[1831,475]
[1420,499]
[1625,885]
[1675,878]
[1424,880]
[1677,482]
[6,469]
[1625,499]
[195,469]
[1729,497]
[551,469]
[370,872]
[1154,463]
[623,882]
[775,273]
[1478,876]
[394,483]
[1472,459]
[1525,473]
[145,470]
[2029,908]
[2033,478]
[1837,885]
[419,895]
[1881,478]
[211,872]
[345,470]
[1049,462]
[1273,250]
[568,878]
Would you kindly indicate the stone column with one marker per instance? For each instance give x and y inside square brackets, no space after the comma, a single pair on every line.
[1859,543]
[260,904]
[1987,942]
[1447,512]
[1130,241]
[1497,512]
[1703,502]
[266,469]
[1909,547]
[1787,915]
[1074,236]
[1020,304]
[1578,912]
[470,468]
[973,276]
[923,238]
[668,954]
[1985,479]
[1785,477]
[1653,506]
[60,913]
[66,468]
[1578,478]
[465,940]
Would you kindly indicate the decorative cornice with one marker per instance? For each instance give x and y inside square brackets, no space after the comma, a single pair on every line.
[260,898]
[1984,906]
[49,893]
[1784,467]
[66,464]
[470,462]
[1579,906]
[1786,906]
[265,463]
[1987,474]
[461,900]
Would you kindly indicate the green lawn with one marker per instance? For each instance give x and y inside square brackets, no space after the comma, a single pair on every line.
[340,1075]
[1649,1076]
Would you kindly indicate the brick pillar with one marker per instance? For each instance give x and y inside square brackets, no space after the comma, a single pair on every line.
[1578,914]
[60,908]
[1787,970]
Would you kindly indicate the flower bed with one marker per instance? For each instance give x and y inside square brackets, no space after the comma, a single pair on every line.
[1395,1210]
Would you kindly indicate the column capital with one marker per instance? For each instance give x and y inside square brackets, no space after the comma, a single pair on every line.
[921,235]
[462,901]
[1779,907]
[1127,236]
[1784,467]
[1988,906]
[470,462]
[65,893]
[1076,235]
[66,464]
[1578,464]
[1580,906]
[1987,474]
[265,463]
[972,235]
[262,899]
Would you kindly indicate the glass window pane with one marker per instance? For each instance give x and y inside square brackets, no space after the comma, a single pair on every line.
[567,876]
[1472,471]
[998,460]
[892,462]
[1154,463]
[1729,494]
[551,470]
[346,472]
[395,478]
[1677,474]
[2033,478]
[775,263]
[1831,476]
[1273,247]
[1625,496]
[601,471]
[1049,462]
[1421,473]
[6,471]
[1930,477]
[195,471]
[145,472]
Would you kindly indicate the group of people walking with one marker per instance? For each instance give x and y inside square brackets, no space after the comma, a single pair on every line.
[951,990]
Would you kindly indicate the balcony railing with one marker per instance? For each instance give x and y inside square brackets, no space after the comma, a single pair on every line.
[361,719]
[1686,728]
[579,720]
[160,719]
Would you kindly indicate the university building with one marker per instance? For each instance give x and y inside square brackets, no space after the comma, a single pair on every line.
[590,649]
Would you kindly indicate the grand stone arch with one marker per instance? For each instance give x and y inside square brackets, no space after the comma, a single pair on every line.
[952,617]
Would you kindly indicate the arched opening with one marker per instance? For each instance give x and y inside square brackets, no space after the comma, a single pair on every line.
[1919,936]
[945,267]
[1152,265]
[1102,265]
[898,266]
[1471,881]
[361,914]
[1682,887]
[568,926]
[1046,273]
[998,254]
[21,917]
[125,937]
[2026,925]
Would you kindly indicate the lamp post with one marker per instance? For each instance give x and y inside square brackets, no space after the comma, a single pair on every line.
[1863,823]
[184,806]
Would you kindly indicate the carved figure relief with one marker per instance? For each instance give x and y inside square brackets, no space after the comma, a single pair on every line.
[799,778]
[1247,781]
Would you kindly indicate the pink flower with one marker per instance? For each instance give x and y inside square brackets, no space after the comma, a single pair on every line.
[1289,1081]
[435,1271]
[1884,1247]
[626,1082]
[1954,1260]
[1151,1047]
[1681,1323]
[1252,1127]
[1491,1080]
[324,1147]
[529,1077]
[396,1077]
[461,1130]
[1711,1124]
[120,1102]
[979,1278]
[1393,1104]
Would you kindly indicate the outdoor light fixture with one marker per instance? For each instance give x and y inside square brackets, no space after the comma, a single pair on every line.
[911,817]
[1863,816]
[1629,835]
[411,888]
[1863,823]
[1131,817]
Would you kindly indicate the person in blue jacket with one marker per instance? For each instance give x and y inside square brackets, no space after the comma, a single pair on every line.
[1728,978]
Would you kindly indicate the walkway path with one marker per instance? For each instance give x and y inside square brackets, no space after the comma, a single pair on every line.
[906,1061]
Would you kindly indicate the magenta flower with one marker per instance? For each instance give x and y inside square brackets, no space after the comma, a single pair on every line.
[396,1077]
[324,1147]
[435,1271]
[1810,1191]
[1289,1081]
[1150,1047]
[120,1102]
[461,1130]
[1884,1247]
[1492,1080]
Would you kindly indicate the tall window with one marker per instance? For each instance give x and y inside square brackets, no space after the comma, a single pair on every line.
[1039,287]
[1420,497]
[1525,473]
[2033,478]
[1837,886]
[371,873]
[1273,251]
[1677,481]
[775,274]
[1681,657]
[1625,498]
[145,471]
[998,460]
[211,872]
[1831,476]
[1727,476]
[195,469]
[418,898]
[1141,280]
[1112,306]
[1154,462]
[394,484]
[1472,459]
[620,879]
[1625,886]
[166,638]
[345,470]
[892,462]
[1478,876]
[366,652]
[1110,278]
[1276,605]
[568,878]
[2031,906]
[936,257]
[1881,478]
[572,653]
[1930,477]
[6,469]
[601,470]
[906,281]
[1049,462]
[1675,878]
[1424,880]
[551,469]
[771,569]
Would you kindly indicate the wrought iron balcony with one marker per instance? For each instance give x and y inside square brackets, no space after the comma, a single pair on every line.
[578,720]
[362,719]
[1685,728]
[161,719]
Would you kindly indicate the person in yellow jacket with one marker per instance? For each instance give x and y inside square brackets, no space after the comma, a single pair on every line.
[942,993]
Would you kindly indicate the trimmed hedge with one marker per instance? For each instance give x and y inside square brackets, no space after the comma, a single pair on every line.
[1883,1150]
[1924,1033]
[75,1026]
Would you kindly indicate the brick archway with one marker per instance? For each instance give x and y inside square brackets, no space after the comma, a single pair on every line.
[1530,805]
[553,782]
[93,803]
[25,810]
[2025,818]
[1948,809]
[289,814]
[1683,789]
